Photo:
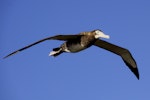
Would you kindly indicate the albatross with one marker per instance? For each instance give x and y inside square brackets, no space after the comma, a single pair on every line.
[84,40]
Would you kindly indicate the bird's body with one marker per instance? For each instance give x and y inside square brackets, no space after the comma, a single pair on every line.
[71,46]
[76,45]
[83,40]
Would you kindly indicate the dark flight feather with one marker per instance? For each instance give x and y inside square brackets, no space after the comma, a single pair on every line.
[57,37]
[124,53]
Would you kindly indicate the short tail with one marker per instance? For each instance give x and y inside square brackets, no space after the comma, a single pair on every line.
[56,52]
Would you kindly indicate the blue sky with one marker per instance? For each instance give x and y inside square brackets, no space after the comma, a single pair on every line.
[93,74]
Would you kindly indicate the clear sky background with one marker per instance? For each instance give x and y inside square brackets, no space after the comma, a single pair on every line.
[93,74]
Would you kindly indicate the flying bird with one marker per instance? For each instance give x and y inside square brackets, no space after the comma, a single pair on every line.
[84,40]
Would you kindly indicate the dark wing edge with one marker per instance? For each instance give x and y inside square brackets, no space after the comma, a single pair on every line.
[124,53]
[57,37]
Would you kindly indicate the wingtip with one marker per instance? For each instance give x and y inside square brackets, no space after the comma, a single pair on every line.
[137,76]
[4,57]
[132,66]
[136,72]
[10,54]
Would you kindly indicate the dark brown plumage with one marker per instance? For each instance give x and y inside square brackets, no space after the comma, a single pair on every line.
[76,43]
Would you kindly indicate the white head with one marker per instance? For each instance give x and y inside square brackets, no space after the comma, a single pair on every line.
[100,34]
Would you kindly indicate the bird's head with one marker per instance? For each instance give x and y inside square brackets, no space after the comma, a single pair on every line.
[100,34]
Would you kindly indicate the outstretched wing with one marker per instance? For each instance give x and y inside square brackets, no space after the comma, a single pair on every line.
[57,37]
[124,53]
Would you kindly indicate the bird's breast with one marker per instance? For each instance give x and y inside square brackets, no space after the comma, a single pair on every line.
[75,47]
[78,44]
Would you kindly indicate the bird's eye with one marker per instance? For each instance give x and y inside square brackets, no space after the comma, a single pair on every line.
[97,31]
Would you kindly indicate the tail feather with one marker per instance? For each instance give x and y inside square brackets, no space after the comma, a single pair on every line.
[56,52]
[56,49]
